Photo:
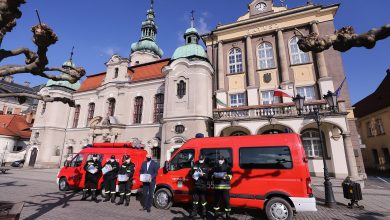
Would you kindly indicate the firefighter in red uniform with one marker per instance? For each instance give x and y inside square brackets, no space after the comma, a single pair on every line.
[221,175]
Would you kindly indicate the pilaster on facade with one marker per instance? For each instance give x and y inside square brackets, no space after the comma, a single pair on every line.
[350,156]
[250,60]
[221,67]
[282,57]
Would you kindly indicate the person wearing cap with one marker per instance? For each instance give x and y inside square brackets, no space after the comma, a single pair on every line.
[92,170]
[127,169]
[109,179]
[199,173]
[221,175]
[149,167]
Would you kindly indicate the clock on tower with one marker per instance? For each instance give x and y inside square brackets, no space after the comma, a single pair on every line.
[260,6]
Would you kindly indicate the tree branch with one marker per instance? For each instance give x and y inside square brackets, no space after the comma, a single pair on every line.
[343,39]
[23,96]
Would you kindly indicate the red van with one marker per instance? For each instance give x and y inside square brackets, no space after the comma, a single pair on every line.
[71,176]
[270,172]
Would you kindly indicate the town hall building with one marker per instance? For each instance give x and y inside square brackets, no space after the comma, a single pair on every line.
[225,89]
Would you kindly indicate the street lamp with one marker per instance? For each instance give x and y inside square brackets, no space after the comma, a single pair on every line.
[331,99]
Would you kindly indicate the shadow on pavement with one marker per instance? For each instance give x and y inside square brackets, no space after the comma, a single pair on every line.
[52,201]
[368,216]
[13,183]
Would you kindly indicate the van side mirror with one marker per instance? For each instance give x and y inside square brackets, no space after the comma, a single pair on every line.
[166,167]
[66,163]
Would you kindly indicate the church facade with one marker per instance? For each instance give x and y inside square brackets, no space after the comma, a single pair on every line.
[223,90]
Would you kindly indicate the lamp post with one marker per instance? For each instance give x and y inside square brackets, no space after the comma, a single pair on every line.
[331,99]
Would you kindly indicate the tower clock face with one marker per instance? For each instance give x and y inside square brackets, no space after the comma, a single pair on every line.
[261,6]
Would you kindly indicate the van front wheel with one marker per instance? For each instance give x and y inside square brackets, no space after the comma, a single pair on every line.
[278,209]
[63,184]
[163,199]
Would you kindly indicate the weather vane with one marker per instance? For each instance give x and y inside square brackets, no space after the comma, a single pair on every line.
[71,54]
[192,18]
[282,2]
[39,18]
[152,3]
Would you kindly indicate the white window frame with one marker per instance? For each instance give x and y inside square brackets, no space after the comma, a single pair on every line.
[379,126]
[238,101]
[297,56]
[303,91]
[268,60]
[270,99]
[315,149]
[235,61]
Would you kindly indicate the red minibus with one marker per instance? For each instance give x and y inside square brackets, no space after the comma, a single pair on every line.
[71,176]
[270,172]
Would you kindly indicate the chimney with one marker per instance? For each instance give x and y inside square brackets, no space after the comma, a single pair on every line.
[26,84]
[9,79]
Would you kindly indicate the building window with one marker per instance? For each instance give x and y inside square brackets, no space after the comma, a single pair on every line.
[370,129]
[158,107]
[116,73]
[9,111]
[237,100]
[91,111]
[312,144]
[235,61]
[76,116]
[111,107]
[386,155]
[375,155]
[267,98]
[238,133]
[379,126]
[307,92]
[297,55]
[18,148]
[179,129]
[181,89]
[138,109]
[277,158]
[265,56]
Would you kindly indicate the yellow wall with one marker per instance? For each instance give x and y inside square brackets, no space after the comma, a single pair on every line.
[304,75]
[236,83]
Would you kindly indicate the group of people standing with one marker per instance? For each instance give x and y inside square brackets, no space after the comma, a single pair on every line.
[220,175]
[113,171]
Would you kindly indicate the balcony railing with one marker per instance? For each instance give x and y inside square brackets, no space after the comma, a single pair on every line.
[276,110]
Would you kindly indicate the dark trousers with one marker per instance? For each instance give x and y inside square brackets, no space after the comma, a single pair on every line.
[109,185]
[222,196]
[147,194]
[125,188]
[91,182]
[199,198]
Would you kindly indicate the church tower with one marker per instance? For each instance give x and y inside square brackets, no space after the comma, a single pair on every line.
[146,50]
[188,95]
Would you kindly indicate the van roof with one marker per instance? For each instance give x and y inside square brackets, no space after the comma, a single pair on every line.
[265,140]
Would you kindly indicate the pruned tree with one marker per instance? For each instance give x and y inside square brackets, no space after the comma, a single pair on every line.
[343,40]
[36,62]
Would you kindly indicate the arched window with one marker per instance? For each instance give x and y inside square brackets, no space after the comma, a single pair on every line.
[138,110]
[238,133]
[235,61]
[91,111]
[158,107]
[297,55]
[312,144]
[265,56]
[179,129]
[181,89]
[111,107]
[76,116]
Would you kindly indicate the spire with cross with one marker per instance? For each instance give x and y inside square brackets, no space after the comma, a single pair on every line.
[151,3]
[71,55]
[192,18]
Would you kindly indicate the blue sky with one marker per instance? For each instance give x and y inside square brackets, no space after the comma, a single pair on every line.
[100,28]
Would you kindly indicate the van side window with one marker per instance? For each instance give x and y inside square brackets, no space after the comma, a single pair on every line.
[213,154]
[184,159]
[77,160]
[100,157]
[265,158]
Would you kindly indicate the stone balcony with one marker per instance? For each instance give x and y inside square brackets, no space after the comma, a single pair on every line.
[281,110]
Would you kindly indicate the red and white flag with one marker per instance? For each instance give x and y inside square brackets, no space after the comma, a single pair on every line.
[281,93]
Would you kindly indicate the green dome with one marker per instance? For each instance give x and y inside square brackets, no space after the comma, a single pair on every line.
[147,45]
[69,63]
[191,30]
[66,84]
[189,50]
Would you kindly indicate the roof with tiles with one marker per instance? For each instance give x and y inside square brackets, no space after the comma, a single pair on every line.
[143,72]
[15,126]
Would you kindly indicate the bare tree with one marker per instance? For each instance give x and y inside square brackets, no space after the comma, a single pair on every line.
[343,40]
[36,61]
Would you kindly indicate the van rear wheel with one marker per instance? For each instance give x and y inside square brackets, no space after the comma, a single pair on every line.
[163,199]
[63,184]
[278,209]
